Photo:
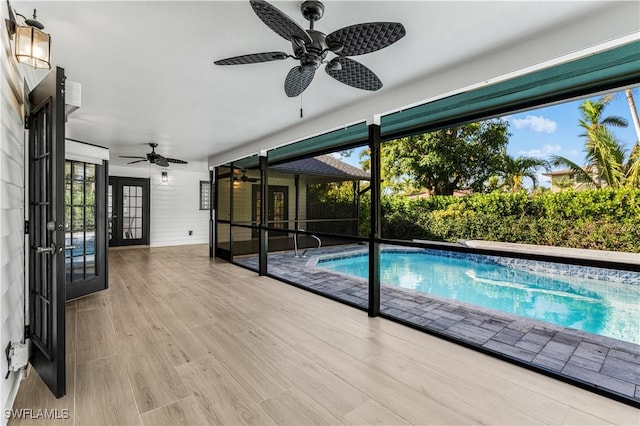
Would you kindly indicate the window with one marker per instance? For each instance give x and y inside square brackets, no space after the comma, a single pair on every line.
[205,195]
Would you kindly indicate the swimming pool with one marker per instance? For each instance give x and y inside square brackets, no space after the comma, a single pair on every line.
[601,307]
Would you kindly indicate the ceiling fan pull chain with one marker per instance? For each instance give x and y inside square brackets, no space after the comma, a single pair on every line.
[301,114]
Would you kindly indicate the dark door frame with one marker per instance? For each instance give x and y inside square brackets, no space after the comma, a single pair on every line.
[117,182]
[46,269]
[271,190]
[77,289]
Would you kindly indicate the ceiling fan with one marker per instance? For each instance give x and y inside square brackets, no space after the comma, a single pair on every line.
[311,47]
[154,158]
[245,178]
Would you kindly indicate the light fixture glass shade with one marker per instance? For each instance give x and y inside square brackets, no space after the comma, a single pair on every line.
[165,177]
[33,47]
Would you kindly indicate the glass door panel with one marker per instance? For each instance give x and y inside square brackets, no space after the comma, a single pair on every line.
[128,211]
[110,213]
[80,223]
[85,250]
[132,218]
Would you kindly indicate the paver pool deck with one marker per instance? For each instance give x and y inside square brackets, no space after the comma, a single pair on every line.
[597,361]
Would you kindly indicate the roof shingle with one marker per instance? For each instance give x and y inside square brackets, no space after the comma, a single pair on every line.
[323,165]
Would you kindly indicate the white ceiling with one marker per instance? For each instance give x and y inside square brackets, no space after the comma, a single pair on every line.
[147,73]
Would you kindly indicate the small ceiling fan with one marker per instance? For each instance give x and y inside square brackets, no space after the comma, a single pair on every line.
[154,158]
[245,178]
[311,47]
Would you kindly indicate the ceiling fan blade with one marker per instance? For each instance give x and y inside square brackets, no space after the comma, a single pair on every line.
[279,22]
[161,161]
[354,74]
[254,58]
[175,161]
[132,156]
[298,79]
[364,38]
[137,161]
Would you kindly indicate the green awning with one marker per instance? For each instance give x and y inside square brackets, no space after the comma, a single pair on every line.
[354,135]
[606,70]
[252,162]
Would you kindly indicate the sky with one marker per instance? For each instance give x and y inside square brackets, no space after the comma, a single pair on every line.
[554,130]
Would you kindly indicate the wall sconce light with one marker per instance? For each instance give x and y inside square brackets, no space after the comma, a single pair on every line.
[165,177]
[33,46]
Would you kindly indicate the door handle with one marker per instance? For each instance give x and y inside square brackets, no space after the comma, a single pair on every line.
[48,250]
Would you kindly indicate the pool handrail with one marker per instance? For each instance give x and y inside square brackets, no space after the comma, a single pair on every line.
[295,243]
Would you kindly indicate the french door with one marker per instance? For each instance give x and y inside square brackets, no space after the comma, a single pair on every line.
[277,208]
[85,228]
[46,265]
[128,211]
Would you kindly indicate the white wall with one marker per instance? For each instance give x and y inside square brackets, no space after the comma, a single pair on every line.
[174,205]
[11,213]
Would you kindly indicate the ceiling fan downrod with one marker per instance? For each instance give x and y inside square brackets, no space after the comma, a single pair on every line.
[312,10]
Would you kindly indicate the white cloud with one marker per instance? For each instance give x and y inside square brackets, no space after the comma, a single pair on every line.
[537,123]
[543,152]
[543,181]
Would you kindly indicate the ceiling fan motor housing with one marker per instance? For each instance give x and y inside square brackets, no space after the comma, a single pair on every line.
[311,55]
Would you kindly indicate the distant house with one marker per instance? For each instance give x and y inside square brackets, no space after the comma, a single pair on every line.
[288,207]
[568,179]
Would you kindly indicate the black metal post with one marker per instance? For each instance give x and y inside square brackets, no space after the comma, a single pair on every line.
[264,234]
[296,223]
[213,200]
[231,181]
[354,223]
[357,195]
[296,180]
[376,229]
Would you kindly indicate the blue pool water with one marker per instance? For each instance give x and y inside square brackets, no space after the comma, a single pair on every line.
[600,307]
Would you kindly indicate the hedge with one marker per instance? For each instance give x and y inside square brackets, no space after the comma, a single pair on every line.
[604,219]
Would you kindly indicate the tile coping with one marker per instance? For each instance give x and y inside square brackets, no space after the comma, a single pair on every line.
[538,266]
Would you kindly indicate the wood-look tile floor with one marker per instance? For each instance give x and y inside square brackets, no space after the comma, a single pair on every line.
[179,338]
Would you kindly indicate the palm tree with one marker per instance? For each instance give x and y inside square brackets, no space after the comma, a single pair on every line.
[634,112]
[515,170]
[633,167]
[604,154]
[563,183]
[407,186]
[633,164]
